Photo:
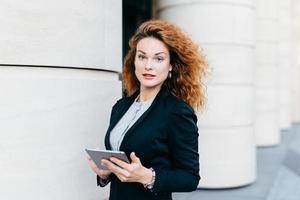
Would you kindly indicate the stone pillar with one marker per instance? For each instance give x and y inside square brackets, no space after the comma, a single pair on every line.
[267,130]
[58,80]
[225,30]
[285,62]
[295,89]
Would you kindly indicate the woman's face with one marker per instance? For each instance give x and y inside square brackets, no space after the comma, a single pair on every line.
[152,63]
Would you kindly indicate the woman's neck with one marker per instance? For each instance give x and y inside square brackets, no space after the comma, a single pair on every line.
[146,93]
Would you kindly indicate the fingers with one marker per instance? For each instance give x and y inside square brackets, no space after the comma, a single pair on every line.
[115,169]
[125,172]
[94,167]
[102,173]
[134,158]
[124,165]
[123,178]
[120,163]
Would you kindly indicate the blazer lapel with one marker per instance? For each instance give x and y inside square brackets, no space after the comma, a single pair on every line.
[117,116]
[144,115]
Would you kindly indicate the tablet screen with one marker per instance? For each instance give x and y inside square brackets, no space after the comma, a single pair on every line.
[98,155]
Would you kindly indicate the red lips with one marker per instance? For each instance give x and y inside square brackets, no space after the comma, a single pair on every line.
[148,76]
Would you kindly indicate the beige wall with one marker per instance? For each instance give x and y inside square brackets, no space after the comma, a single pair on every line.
[295,77]
[49,114]
[225,31]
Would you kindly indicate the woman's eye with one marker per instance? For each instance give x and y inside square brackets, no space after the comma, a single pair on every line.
[141,57]
[159,59]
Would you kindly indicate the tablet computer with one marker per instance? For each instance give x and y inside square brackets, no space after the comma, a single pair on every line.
[98,155]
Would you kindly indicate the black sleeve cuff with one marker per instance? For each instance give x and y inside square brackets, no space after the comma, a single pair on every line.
[102,182]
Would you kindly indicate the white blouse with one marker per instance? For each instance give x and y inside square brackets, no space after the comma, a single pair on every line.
[134,112]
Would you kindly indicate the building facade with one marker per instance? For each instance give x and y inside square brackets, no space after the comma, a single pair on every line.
[60,65]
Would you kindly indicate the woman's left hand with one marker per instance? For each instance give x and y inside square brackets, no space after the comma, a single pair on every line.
[133,172]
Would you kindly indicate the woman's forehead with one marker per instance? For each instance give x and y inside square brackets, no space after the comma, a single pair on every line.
[152,45]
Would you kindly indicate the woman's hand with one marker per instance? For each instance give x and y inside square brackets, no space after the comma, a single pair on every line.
[100,172]
[133,172]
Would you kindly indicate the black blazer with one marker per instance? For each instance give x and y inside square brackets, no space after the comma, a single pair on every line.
[165,138]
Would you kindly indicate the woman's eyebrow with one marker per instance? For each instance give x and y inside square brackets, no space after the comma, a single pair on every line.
[141,51]
[160,53]
[154,54]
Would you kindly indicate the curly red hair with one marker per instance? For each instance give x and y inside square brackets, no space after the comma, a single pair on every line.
[189,65]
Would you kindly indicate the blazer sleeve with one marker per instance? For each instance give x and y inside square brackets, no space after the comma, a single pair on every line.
[183,144]
[102,182]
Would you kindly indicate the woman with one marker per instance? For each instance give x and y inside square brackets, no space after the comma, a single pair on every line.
[156,125]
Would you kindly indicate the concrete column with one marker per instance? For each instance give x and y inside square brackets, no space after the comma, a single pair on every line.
[225,30]
[58,80]
[70,33]
[267,129]
[295,78]
[285,62]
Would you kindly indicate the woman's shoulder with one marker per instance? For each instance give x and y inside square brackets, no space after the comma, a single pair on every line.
[125,100]
[180,111]
[178,105]
[121,101]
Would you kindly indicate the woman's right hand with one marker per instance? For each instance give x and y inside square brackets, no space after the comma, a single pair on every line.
[100,172]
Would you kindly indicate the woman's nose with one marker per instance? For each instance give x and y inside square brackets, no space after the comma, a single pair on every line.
[148,65]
